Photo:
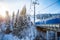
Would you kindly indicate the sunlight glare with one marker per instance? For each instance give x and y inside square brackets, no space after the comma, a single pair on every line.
[3,8]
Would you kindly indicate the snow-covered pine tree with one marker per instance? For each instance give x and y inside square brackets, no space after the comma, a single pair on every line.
[0,22]
[23,28]
[20,22]
[7,23]
[12,20]
[13,16]
[15,23]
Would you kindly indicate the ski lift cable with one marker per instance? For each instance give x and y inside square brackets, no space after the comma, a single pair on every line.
[49,5]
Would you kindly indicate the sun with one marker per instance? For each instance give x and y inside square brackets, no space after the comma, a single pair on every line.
[3,8]
[2,12]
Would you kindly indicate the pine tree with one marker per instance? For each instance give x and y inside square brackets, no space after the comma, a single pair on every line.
[15,23]
[21,22]
[0,22]
[7,23]
[23,28]
[13,16]
[16,19]
[13,20]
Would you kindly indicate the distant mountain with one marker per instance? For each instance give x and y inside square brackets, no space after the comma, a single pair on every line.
[48,19]
[45,16]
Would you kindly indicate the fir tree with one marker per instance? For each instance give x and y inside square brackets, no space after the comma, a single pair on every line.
[7,23]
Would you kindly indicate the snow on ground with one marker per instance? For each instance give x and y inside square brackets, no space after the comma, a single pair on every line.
[8,37]
[1,35]
[30,35]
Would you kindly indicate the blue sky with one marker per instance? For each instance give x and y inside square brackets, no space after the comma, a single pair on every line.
[55,8]
[14,5]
